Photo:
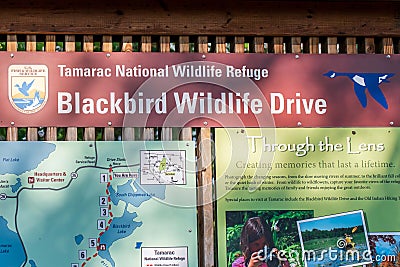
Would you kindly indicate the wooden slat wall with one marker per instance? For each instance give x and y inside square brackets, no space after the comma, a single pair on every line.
[310,27]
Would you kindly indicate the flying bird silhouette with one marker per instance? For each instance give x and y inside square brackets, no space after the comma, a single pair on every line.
[363,81]
[24,88]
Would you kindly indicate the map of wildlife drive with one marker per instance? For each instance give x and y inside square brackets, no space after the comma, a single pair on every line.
[112,204]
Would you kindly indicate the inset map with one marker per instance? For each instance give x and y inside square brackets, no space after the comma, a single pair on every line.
[162,167]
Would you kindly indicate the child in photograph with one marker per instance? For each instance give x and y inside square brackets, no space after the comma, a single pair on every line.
[255,237]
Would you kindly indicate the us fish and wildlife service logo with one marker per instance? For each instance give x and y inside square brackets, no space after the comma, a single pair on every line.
[28,87]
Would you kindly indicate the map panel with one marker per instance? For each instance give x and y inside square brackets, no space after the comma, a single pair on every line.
[79,204]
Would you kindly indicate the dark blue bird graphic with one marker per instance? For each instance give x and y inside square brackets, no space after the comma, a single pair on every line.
[363,81]
[24,88]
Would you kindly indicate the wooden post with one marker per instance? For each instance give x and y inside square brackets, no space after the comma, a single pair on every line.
[387,46]
[278,45]
[107,47]
[89,133]
[12,45]
[72,132]
[258,45]
[147,133]
[369,45]
[296,45]
[351,45]
[314,45]
[205,193]
[32,133]
[332,45]
[166,132]
[185,133]
[220,44]
[51,131]
[239,44]
[205,196]
[128,133]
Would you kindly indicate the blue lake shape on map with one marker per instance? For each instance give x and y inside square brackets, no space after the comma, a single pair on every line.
[115,232]
[19,157]
[78,239]
[127,194]
[138,245]
[16,186]
[32,263]
[10,242]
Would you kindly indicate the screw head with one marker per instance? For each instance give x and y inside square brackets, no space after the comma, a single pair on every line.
[41,133]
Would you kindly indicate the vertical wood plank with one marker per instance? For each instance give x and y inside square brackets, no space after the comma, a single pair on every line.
[107,47]
[296,45]
[184,44]
[258,46]
[278,45]
[32,133]
[239,44]
[351,45]
[369,45]
[205,198]
[127,43]
[145,44]
[314,45]
[332,45]
[205,193]
[185,133]
[12,134]
[165,44]
[12,45]
[50,43]
[146,133]
[72,132]
[202,44]
[166,132]
[51,131]
[220,44]
[89,133]
[88,46]
[128,133]
[88,43]
[388,47]
[106,43]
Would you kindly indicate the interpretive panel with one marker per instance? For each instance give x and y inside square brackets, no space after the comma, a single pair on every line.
[289,175]
[81,204]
